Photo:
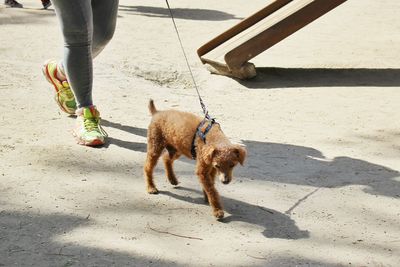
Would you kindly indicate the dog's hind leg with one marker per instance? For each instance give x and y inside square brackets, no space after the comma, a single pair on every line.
[169,157]
[154,149]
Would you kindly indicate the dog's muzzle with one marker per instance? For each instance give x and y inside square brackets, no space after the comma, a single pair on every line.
[225,179]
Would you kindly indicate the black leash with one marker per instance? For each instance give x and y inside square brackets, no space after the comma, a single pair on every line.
[207,118]
[205,111]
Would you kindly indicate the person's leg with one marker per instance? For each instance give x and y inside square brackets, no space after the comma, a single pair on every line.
[87,27]
[76,20]
[75,17]
[104,23]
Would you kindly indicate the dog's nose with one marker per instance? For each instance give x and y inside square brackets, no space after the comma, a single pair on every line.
[225,181]
[224,178]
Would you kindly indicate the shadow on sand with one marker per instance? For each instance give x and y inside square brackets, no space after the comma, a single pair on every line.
[29,239]
[179,13]
[300,165]
[276,224]
[12,16]
[129,129]
[135,146]
[269,78]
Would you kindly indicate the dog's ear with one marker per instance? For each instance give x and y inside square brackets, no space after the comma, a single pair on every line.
[210,152]
[241,153]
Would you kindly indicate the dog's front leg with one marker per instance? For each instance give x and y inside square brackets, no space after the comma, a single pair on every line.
[211,194]
[213,173]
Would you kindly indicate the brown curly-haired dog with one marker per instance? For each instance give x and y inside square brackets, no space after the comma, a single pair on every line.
[172,132]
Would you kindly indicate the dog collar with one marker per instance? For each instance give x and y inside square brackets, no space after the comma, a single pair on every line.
[201,134]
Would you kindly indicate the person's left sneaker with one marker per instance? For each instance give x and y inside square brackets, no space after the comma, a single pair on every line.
[46,4]
[64,96]
[88,130]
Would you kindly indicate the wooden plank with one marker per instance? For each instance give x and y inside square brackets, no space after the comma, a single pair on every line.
[230,51]
[241,26]
[218,53]
[273,35]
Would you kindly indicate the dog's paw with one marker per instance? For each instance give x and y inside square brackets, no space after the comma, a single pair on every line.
[173,180]
[219,214]
[152,190]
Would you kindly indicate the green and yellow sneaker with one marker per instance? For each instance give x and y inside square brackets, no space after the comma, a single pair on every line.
[64,96]
[88,130]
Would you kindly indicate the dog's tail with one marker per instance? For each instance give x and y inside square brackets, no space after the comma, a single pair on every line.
[152,107]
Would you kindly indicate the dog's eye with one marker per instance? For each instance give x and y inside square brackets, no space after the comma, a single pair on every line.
[217,166]
[232,165]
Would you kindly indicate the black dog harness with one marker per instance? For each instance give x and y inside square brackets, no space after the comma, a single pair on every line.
[201,134]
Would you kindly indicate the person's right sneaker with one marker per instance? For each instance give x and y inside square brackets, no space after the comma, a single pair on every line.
[12,3]
[88,130]
[64,96]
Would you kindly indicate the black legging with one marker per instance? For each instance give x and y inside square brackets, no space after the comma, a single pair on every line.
[87,27]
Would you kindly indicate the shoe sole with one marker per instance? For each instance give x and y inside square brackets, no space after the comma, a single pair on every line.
[93,143]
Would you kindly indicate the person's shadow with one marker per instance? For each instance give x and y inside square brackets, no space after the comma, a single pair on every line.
[135,146]
[284,163]
[179,13]
[276,224]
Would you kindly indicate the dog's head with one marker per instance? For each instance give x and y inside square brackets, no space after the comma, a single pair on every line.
[224,159]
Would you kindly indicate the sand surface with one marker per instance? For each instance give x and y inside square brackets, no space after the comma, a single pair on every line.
[321,185]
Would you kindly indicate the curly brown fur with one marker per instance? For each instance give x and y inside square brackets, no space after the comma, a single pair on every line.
[170,134]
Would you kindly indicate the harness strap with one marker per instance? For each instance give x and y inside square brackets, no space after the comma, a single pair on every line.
[201,134]
[193,149]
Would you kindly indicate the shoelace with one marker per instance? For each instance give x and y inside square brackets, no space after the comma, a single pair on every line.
[67,90]
[94,125]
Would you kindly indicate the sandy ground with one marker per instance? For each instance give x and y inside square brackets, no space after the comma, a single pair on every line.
[321,186]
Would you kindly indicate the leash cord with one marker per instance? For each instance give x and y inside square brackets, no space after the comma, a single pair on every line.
[205,111]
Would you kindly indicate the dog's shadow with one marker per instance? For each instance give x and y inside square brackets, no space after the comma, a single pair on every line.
[275,223]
